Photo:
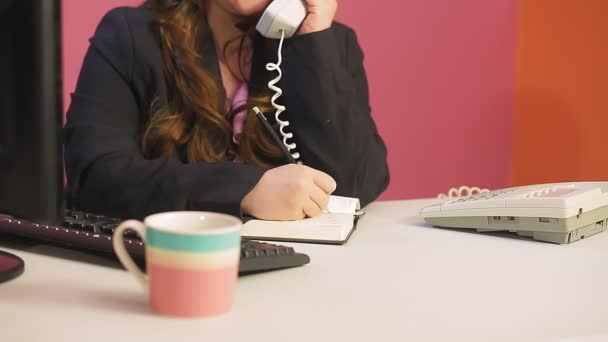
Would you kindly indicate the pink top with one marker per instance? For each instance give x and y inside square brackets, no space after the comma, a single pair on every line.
[240,99]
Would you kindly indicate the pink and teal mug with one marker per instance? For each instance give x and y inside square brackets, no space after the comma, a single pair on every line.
[192,261]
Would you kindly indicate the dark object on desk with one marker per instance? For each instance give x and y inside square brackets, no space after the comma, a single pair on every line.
[31,175]
[11,266]
[93,233]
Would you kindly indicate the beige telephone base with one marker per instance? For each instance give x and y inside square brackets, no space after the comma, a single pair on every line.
[555,230]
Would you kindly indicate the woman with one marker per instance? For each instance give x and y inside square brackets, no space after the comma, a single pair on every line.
[160,119]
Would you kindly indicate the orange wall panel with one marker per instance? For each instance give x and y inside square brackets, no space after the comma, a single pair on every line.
[561,106]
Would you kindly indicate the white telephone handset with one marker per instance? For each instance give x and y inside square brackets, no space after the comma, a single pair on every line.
[280,20]
[282,15]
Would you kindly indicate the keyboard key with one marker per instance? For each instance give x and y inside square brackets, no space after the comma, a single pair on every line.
[271,251]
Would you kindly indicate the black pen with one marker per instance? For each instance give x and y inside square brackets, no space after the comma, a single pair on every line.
[274,135]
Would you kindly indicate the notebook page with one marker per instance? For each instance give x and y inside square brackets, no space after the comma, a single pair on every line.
[343,205]
[324,220]
[334,225]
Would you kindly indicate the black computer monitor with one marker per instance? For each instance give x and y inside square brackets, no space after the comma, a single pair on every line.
[31,172]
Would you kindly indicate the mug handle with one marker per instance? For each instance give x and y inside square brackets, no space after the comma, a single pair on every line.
[121,250]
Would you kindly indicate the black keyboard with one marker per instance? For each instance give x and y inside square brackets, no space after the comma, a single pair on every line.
[91,232]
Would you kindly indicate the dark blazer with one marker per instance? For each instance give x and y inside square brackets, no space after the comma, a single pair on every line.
[325,92]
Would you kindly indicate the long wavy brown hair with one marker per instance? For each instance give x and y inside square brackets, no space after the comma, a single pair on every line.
[194,122]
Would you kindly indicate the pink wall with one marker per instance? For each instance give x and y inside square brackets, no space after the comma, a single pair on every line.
[441,82]
[441,75]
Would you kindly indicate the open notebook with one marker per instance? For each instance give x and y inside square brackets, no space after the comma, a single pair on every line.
[333,226]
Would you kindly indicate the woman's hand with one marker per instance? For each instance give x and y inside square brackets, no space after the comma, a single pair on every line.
[289,192]
[321,14]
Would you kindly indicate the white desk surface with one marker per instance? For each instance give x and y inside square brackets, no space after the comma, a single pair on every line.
[396,280]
